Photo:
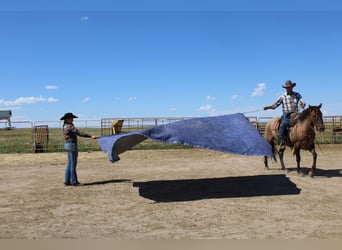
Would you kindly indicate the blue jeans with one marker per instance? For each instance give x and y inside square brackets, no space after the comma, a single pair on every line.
[285,120]
[70,171]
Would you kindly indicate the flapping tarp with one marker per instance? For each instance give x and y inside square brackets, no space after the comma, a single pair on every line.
[227,133]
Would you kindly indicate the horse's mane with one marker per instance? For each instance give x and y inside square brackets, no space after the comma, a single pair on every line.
[306,112]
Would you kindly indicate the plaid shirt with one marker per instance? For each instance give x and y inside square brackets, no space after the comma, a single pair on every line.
[70,133]
[289,102]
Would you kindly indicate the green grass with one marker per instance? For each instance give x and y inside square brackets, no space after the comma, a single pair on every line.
[20,140]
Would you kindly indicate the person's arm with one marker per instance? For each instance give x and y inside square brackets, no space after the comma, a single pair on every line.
[83,134]
[268,107]
[300,100]
[274,105]
[302,103]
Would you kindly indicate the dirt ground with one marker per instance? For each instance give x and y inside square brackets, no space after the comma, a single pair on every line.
[171,194]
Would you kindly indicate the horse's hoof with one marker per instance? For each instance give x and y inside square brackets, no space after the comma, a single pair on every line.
[300,173]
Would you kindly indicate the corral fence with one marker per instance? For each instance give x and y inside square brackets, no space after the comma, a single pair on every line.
[332,133]
[46,136]
[109,125]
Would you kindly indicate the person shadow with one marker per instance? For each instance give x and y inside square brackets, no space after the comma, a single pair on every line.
[216,188]
[105,182]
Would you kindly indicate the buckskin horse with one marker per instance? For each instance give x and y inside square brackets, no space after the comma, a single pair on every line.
[300,136]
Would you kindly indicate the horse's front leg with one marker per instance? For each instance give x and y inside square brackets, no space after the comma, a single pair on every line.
[298,159]
[314,159]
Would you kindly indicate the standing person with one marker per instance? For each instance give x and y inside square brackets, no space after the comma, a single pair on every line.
[289,101]
[70,133]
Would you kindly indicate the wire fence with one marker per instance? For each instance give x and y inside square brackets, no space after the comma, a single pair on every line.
[22,136]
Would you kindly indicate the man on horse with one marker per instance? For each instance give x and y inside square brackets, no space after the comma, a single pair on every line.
[289,101]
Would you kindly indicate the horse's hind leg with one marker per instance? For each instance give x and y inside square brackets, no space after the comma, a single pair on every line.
[266,157]
[281,157]
[266,162]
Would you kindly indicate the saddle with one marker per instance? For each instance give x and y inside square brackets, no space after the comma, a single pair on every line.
[276,127]
[293,120]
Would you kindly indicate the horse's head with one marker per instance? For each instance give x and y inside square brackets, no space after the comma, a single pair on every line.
[317,117]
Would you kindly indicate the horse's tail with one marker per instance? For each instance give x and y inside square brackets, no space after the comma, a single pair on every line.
[274,151]
[270,137]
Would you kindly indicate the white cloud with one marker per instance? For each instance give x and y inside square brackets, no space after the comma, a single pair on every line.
[86,99]
[132,98]
[233,97]
[51,87]
[258,91]
[52,99]
[26,101]
[206,107]
[209,98]
[84,18]
[172,109]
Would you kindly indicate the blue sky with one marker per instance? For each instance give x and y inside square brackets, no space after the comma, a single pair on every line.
[166,58]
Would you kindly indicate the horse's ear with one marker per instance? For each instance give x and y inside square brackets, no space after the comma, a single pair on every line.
[320,105]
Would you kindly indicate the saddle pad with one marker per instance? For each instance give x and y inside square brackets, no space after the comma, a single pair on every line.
[276,124]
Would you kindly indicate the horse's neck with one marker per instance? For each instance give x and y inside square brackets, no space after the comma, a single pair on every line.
[303,128]
[307,123]
[304,124]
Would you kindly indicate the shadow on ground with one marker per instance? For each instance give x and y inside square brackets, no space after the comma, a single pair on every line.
[105,182]
[214,188]
[329,173]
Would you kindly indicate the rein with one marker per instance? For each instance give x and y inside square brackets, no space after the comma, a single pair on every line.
[253,111]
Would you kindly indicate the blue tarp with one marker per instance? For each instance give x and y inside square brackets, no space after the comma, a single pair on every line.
[227,133]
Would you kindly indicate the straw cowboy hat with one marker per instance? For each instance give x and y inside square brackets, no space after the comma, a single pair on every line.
[289,84]
[68,115]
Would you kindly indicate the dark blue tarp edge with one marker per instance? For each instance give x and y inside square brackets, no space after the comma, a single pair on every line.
[226,133]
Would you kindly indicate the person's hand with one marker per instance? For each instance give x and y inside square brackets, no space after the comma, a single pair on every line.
[93,137]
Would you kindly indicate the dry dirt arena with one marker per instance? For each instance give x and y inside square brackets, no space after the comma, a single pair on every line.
[171,194]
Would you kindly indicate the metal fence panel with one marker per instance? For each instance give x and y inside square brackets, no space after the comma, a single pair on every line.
[20,137]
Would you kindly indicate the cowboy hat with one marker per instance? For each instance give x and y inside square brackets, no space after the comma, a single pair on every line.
[68,115]
[289,84]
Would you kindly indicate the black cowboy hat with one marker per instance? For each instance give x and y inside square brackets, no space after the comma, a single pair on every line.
[288,84]
[68,115]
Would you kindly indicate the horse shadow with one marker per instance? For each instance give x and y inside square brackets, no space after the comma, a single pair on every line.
[328,173]
[216,188]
